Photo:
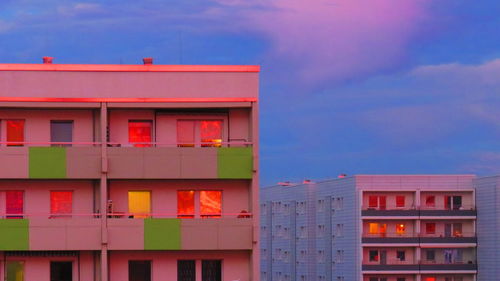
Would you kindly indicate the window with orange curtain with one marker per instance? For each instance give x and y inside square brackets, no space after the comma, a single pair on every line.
[15,132]
[211,133]
[139,133]
[185,133]
[61,203]
[400,228]
[185,204]
[210,204]
[14,204]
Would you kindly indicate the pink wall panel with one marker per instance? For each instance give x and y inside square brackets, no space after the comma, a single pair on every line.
[125,234]
[14,162]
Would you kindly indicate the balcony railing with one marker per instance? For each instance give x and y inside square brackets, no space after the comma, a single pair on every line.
[464,210]
[122,215]
[181,144]
[424,265]
[48,143]
[457,237]
[411,237]
[49,215]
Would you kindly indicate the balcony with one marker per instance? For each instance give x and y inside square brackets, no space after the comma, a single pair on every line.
[43,161]
[462,211]
[463,237]
[166,232]
[391,267]
[389,211]
[422,266]
[390,237]
[164,161]
[452,266]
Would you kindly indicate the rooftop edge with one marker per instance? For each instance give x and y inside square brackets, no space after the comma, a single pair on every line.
[129,68]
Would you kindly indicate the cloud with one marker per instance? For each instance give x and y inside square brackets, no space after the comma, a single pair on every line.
[336,40]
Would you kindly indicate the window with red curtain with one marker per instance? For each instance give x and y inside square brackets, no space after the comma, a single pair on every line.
[430,201]
[430,228]
[61,202]
[185,133]
[15,132]
[447,203]
[382,202]
[185,204]
[400,201]
[139,133]
[14,201]
[210,204]
[211,133]
[372,201]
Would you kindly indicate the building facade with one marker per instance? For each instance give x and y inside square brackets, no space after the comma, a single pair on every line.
[370,228]
[128,172]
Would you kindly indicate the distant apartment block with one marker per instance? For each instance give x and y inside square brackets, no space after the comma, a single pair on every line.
[128,172]
[371,228]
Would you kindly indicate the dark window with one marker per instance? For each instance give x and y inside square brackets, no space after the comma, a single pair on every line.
[373,255]
[430,255]
[186,270]
[373,278]
[61,271]
[14,271]
[61,131]
[139,270]
[401,279]
[211,270]
[401,255]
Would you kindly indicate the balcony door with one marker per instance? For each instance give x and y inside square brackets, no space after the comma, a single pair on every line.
[61,133]
[14,271]
[186,270]
[139,271]
[61,271]
[139,203]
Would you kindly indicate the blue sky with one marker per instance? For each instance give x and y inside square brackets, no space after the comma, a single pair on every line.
[347,86]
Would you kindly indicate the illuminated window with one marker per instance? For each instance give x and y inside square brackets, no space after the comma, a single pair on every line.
[61,132]
[185,133]
[430,279]
[210,204]
[430,228]
[430,201]
[400,228]
[139,133]
[139,203]
[14,201]
[185,204]
[400,201]
[373,228]
[211,133]
[15,132]
[457,230]
[373,255]
[204,133]
[14,271]
[61,203]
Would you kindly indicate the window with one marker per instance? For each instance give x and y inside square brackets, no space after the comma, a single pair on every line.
[139,132]
[373,228]
[185,204]
[139,203]
[15,132]
[61,271]
[14,204]
[400,201]
[375,202]
[61,203]
[430,228]
[186,270]
[401,255]
[139,270]
[211,270]
[339,231]
[206,133]
[457,230]
[401,279]
[430,279]
[430,255]
[373,255]
[210,204]
[430,201]
[400,228]
[453,202]
[14,271]
[61,133]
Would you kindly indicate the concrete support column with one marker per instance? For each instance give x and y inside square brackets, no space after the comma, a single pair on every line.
[255,258]
[104,193]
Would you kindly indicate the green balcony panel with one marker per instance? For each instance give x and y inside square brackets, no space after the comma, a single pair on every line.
[14,234]
[234,163]
[47,162]
[162,234]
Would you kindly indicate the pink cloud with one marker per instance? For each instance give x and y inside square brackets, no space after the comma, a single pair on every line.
[338,40]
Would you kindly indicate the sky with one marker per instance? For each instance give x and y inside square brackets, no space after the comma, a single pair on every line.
[346,86]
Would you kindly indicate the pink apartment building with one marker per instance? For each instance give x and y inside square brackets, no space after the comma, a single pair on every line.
[128,172]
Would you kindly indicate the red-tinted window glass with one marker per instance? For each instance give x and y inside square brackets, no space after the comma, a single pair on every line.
[447,202]
[15,132]
[430,228]
[211,133]
[400,201]
[211,204]
[382,202]
[185,133]
[14,203]
[430,201]
[139,133]
[61,202]
[373,202]
[185,204]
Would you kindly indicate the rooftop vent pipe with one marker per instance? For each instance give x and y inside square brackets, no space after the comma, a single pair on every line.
[147,61]
[48,60]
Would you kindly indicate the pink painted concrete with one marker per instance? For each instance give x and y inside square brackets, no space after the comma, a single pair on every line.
[14,162]
[235,194]
[164,263]
[83,162]
[37,124]
[128,84]
[125,234]
[239,125]
[38,268]
[65,234]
